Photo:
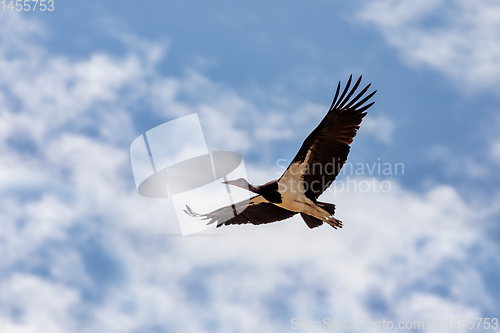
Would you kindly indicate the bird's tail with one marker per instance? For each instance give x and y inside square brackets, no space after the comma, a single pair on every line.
[329,207]
[311,222]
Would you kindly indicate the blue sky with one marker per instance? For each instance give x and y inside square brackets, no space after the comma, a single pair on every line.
[80,248]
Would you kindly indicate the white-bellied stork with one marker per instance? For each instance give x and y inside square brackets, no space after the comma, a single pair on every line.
[311,172]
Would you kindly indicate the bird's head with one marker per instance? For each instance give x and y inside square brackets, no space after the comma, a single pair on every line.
[240,182]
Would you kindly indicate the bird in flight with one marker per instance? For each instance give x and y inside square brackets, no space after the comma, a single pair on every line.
[314,168]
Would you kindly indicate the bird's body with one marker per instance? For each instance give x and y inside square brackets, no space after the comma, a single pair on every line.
[293,190]
[310,173]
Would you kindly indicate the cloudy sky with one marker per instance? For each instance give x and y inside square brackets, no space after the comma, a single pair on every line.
[81,251]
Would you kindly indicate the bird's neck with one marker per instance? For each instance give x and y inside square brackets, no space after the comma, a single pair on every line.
[254,189]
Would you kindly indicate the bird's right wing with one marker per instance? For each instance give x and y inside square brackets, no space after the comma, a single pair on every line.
[325,150]
[257,210]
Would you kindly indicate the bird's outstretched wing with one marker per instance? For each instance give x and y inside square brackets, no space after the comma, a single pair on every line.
[257,210]
[325,150]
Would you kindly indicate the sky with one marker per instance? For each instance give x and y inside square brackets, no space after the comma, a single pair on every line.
[82,251]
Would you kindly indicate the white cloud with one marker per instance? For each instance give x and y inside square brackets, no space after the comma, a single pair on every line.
[459,39]
[77,192]
[458,163]
[431,307]
[37,305]
[380,127]
[245,127]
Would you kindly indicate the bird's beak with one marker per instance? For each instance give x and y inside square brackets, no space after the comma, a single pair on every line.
[231,182]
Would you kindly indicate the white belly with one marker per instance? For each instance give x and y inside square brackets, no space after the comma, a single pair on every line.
[291,188]
[294,206]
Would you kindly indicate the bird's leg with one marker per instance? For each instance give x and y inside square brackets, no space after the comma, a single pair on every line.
[334,222]
[325,216]
[317,211]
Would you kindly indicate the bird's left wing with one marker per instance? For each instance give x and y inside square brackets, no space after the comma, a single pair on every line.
[257,210]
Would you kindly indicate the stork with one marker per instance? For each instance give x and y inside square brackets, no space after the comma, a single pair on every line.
[314,168]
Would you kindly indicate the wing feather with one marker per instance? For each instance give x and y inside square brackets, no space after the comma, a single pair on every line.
[256,211]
